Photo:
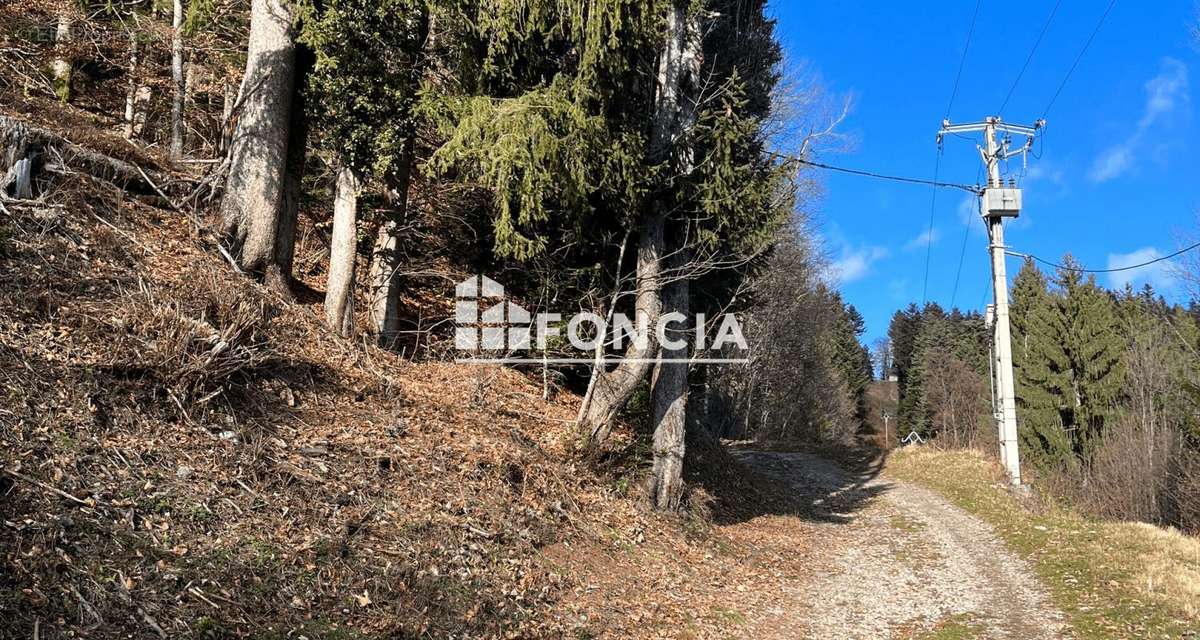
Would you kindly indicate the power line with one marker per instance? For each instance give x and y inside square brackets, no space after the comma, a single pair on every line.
[969,188]
[937,165]
[1114,270]
[1029,59]
[962,252]
[962,61]
[1079,57]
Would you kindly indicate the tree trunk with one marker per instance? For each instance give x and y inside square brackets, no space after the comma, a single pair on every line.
[179,80]
[141,106]
[20,178]
[61,66]
[385,257]
[669,398]
[131,93]
[612,390]
[20,140]
[258,151]
[677,71]
[289,207]
[343,251]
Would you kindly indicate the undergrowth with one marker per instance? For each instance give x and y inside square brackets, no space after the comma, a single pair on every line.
[185,454]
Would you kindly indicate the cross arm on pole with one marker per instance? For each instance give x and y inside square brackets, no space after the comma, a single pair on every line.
[995,124]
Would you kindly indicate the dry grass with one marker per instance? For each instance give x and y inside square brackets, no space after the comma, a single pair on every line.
[1168,563]
[197,346]
[1113,580]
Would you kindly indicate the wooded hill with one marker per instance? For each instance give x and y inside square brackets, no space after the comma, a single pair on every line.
[230,239]
[1106,391]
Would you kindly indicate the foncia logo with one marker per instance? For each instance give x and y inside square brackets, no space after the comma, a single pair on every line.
[503,326]
[490,329]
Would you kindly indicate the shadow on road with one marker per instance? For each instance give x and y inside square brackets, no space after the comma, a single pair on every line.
[746,482]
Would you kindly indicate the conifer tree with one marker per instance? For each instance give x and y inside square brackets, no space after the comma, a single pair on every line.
[1040,367]
[849,356]
[902,333]
[370,59]
[931,330]
[1093,345]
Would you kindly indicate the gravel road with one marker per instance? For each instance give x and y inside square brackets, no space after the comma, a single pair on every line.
[901,561]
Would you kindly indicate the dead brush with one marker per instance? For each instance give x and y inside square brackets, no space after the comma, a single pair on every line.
[199,345]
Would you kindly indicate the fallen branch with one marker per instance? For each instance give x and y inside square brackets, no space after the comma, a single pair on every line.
[20,140]
[150,182]
[55,490]
[233,263]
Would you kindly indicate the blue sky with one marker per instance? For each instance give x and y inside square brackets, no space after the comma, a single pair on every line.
[1119,176]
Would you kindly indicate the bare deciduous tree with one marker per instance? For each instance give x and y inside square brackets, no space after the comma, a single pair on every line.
[790,388]
[881,357]
[956,396]
[343,254]
[255,207]
[178,80]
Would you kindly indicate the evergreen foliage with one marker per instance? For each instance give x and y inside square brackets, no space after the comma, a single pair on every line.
[929,338]
[364,83]
[1039,366]
[1092,344]
[1067,359]
[547,113]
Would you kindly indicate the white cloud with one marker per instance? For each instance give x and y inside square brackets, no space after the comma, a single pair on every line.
[968,214]
[1158,274]
[855,263]
[1045,172]
[1112,162]
[924,239]
[1166,93]
[1045,182]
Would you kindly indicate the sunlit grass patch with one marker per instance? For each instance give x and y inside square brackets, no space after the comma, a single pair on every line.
[1112,580]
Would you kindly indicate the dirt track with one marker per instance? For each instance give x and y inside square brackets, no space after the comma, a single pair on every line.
[901,560]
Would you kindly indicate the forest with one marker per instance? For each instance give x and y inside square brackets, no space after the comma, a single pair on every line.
[1106,390]
[594,157]
[254,215]
[241,243]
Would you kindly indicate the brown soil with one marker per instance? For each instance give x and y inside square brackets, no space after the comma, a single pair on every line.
[900,560]
[185,454]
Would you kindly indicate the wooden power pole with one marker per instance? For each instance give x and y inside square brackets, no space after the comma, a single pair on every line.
[997,202]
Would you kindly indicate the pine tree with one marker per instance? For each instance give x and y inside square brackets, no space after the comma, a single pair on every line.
[902,332]
[1040,366]
[932,330]
[1093,345]
[848,356]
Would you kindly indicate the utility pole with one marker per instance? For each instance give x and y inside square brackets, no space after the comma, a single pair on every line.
[997,202]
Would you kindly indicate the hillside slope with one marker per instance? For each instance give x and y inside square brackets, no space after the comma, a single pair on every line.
[187,455]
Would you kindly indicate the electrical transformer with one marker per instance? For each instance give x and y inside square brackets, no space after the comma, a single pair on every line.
[1002,202]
